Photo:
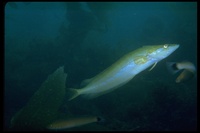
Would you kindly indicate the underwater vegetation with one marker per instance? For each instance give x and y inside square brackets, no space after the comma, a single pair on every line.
[42,108]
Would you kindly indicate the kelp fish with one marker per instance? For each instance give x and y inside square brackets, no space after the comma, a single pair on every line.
[74,122]
[124,70]
[188,68]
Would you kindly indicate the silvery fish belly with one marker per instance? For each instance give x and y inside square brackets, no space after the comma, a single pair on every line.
[124,70]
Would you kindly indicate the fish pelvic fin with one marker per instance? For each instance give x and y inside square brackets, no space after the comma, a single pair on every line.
[153,66]
[85,82]
[73,93]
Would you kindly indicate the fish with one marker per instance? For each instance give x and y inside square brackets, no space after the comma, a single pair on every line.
[188,68]
[123,70]
[74,122]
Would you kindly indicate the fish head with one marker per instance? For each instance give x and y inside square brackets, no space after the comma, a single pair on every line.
[159,52]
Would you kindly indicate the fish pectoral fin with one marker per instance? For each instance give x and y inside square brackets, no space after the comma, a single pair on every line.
[153,66]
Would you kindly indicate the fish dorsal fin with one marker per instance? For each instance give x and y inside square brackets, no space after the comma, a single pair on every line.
[153,66]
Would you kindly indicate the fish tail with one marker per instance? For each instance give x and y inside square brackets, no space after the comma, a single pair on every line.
[172,67]
[73,93]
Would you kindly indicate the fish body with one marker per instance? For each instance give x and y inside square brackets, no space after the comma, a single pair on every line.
[188,68]
[73,122]
[124,70]
[177,66]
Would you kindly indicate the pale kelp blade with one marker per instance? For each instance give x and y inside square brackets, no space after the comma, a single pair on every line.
[43,106]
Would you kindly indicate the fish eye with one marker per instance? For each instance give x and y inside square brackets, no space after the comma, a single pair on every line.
[165,46]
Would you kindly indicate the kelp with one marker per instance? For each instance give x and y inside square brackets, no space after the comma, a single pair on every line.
[43,106]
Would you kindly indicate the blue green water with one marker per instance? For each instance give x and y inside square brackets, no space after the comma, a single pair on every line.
[86,38]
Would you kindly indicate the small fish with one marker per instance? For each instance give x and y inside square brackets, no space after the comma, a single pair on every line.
[74,122]
[124,70]
[188,70]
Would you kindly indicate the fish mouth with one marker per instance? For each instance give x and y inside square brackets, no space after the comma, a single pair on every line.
[172,48]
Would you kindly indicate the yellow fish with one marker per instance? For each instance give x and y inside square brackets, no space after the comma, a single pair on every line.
[124,70]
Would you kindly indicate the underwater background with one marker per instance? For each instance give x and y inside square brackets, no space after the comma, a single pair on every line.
[86,38]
